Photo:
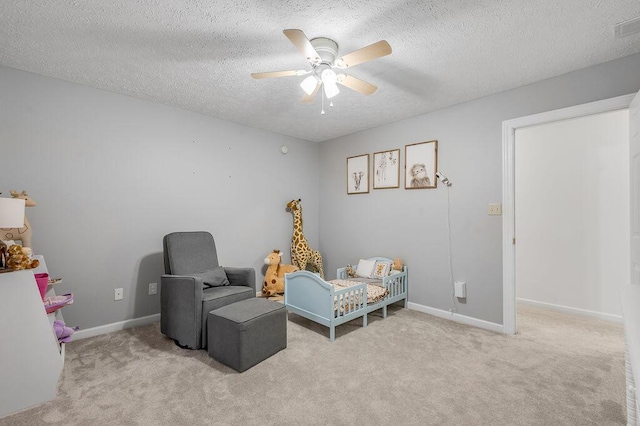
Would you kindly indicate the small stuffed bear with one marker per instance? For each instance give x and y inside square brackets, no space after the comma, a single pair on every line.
[397,266]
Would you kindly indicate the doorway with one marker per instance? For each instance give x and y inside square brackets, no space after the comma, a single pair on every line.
[572,214]
[509,173]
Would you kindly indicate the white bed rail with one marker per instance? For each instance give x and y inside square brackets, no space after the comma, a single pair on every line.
[349,300]
[396,284]
[342,273]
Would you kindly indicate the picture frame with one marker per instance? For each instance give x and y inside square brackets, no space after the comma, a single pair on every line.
[421,165]
[358,174]
[386,169]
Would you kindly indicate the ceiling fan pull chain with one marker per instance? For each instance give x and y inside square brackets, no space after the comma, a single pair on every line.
[322,96]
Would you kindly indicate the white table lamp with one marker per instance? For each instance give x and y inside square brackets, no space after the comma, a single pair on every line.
[12,212]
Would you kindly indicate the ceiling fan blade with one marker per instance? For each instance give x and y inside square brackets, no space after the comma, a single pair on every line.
[308,98]
[356,84]
[368,53]
[271,74]
[303,44]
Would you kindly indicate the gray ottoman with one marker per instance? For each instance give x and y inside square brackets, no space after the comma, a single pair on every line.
[245,333]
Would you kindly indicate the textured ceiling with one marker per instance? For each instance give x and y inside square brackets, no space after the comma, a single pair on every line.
[198,55]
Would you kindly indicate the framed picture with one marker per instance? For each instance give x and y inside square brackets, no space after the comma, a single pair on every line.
[386,169]
[421,165]
[358,174]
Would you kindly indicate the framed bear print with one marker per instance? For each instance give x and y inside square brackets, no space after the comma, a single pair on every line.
[421,165]
[358,174]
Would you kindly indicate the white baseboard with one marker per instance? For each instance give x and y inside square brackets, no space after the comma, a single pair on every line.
[569,309]
[116,326]
[462,319]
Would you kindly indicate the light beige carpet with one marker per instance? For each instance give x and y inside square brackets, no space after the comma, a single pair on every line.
[407,369]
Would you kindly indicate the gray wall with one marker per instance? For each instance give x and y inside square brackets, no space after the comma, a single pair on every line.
[413,224]
[113,174]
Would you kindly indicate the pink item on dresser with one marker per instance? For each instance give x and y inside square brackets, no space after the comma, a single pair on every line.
[43,282]
[52,304]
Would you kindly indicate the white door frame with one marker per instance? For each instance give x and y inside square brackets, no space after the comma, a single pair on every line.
[508,190]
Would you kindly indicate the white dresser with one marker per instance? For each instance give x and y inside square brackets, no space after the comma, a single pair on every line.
[31,359]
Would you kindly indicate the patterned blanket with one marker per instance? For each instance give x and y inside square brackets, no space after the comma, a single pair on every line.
[375,293]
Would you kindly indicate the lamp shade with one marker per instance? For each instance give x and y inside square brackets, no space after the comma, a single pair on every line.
[309,84]
[331,90]
[329,79]
[11,212]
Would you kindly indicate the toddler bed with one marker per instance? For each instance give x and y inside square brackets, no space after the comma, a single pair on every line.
[335,302]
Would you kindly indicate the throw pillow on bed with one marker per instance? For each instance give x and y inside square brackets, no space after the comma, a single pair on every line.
[381,269]
[365,268]
[215,277]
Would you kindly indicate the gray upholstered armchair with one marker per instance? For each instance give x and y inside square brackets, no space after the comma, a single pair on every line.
[195,284]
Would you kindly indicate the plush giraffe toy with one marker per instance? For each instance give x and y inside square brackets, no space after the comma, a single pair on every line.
[301,254]
[274,277]
[23,234]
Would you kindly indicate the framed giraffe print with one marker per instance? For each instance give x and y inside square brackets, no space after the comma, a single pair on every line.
[386,169]
[358,174]
[420,165]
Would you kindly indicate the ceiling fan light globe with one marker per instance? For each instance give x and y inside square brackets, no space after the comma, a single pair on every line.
[329,76]
[331,90]
[309,84]
[329,80]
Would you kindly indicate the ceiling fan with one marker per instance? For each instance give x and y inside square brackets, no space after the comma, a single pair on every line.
[322,52]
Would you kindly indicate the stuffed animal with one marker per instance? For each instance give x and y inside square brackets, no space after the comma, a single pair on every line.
[63,333]
[274,277]
[351,273]
[19,257]
[397,266]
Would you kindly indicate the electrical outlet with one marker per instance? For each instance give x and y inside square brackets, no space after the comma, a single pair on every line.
[495,209]
[153,288]
[119,294]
